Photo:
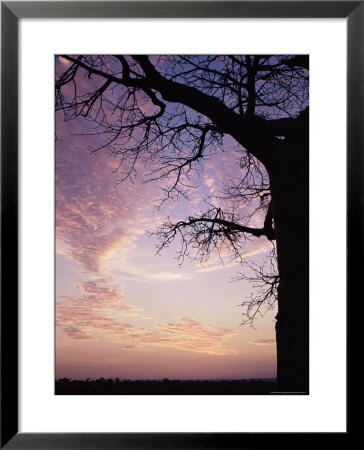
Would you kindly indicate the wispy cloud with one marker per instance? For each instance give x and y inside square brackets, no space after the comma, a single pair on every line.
[213,265]
[94,216]
[96,220]
[99,307]
[145,273]
[83,319]
[263,342]
[189,334]
[210,182]
[217,261]
[64,61]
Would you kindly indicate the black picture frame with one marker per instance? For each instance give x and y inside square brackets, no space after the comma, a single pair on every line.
[11,12]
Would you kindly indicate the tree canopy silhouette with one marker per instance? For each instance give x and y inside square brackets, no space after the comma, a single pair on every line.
[172,112]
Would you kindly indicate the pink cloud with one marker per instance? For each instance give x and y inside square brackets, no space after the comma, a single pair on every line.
[94,215]
[263,342]
[101,310]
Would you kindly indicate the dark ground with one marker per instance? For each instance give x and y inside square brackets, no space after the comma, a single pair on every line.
[101,386]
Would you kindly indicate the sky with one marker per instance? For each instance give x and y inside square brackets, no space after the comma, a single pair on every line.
[124,311]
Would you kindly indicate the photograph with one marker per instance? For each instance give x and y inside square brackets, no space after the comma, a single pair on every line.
[181,213]
[181,224]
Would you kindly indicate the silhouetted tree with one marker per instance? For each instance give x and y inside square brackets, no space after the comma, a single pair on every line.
[171,112]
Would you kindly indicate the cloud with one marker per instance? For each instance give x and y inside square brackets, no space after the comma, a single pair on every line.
[259,245]
[64,61]
[94,219]
[189,334]
[82,318]
[99,293]
[101,311]
[94,216]
[77,334]
[210,182]
[146,274]
[214,263]
[216,260]
[263,342]
[99,308]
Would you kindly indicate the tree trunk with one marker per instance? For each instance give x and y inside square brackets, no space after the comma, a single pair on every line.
[290,200]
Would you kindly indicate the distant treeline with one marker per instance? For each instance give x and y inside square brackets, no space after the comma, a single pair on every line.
[102,386]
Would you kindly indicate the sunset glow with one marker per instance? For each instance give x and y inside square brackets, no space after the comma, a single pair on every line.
[121,309]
